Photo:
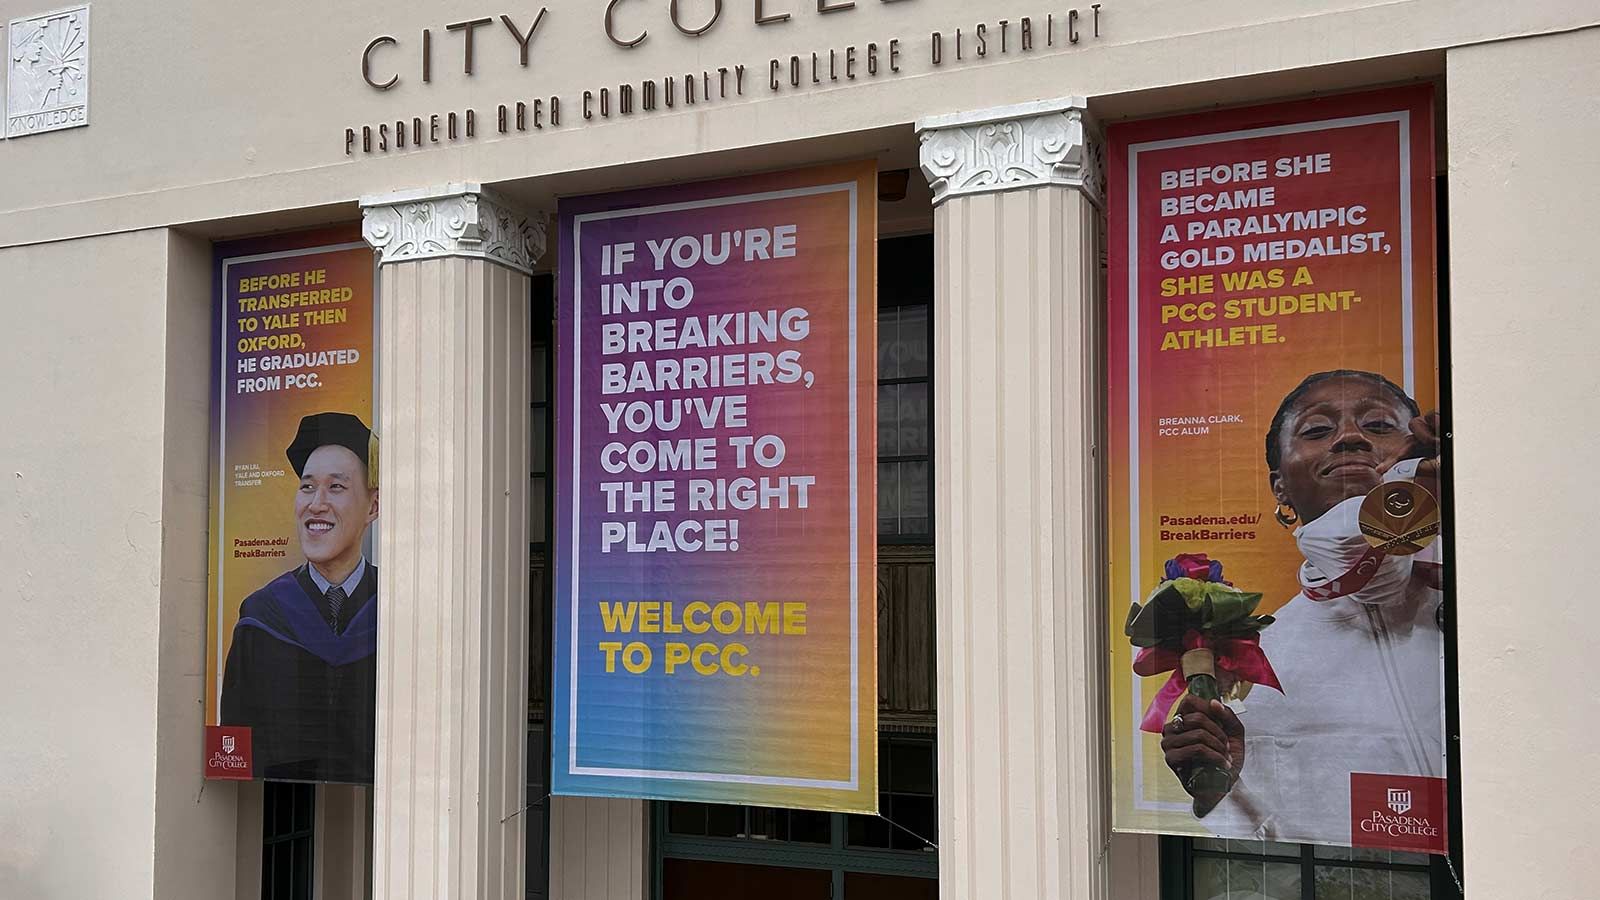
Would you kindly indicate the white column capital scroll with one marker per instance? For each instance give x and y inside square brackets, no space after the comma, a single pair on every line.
[1003,148]
[459,219]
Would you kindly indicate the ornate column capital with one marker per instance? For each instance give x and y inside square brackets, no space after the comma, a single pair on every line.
[452,220]
[1004,148]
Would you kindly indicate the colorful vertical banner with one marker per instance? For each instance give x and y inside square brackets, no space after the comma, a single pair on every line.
[292,650]
[715,533]
[1277,659]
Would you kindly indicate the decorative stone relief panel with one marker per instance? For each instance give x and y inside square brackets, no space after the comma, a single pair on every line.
[1027,145]
[47,72]
[457,220]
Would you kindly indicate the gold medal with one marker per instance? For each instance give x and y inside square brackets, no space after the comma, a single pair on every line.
[1399,517]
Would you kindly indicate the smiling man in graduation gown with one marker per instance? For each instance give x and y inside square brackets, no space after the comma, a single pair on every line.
[302,671]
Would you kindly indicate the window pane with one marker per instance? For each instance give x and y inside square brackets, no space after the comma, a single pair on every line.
[764,824]
[539,363]
[888,420]
[910,768]
[280,809]
[911,350]
[305,799]
[302,869]
[715,880]
[915,482]
[686,818]
[538,419]
[810,827]
[889,887]
[1259,848]
[1372,854]
[536,491]
[269,871]
[1333,883]
[917,815]
[888,333]
[1238,879]
[538,855]
[913,420]
[888,498]
[1409,886]
[869,831]
[1370,884]
[724,821]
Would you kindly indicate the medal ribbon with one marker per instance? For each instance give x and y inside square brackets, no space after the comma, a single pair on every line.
[1351,581]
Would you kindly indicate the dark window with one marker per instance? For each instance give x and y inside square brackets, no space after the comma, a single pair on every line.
[862,857]
[889,887]
[907,772]
[905,390]
[1215,869]
[717,880]
[539,413]
[288,823]
[540,510]
[756,823]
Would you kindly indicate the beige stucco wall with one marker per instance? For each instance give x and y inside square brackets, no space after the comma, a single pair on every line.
[102,454]
[102,573]
[204,110]
[598,848]
[1524,190]
[342,859]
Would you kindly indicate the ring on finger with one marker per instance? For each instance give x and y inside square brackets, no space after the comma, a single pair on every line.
[1177,722]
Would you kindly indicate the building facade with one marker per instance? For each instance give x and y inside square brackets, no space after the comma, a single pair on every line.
[159,135]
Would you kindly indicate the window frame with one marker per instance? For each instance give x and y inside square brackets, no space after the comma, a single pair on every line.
[911,255]
[1178,855]
[541,600]
[304,839]
[837,856]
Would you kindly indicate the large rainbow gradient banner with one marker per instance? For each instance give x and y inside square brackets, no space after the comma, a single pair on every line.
[715,535]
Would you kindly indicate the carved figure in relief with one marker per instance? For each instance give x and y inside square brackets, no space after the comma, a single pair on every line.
[48,63]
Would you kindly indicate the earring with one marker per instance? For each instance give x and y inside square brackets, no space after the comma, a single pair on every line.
[1288,519]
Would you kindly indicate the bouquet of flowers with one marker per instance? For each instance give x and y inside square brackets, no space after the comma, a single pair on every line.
[1205,632]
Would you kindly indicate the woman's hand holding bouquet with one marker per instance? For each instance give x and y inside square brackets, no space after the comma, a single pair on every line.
[1206,633]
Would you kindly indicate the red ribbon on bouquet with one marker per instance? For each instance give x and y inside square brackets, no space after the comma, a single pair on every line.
[1240,657]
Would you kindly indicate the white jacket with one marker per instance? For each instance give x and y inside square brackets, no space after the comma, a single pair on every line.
[1363,689]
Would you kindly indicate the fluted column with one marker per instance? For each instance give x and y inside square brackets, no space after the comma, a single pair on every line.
[1023,781]
[453,395]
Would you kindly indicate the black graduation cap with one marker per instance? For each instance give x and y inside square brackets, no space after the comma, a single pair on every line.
[322,429]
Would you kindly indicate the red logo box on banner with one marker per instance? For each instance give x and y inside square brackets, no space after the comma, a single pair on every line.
[228,752]
[1398,812]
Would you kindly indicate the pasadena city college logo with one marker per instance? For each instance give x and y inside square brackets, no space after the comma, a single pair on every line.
[229,742]
[1399,801]
[1398,812]
[228,752]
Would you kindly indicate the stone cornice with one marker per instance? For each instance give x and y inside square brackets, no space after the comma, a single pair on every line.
[1009,147]
[453,220]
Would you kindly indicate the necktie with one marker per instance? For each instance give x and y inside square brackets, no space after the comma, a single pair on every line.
[335,597]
